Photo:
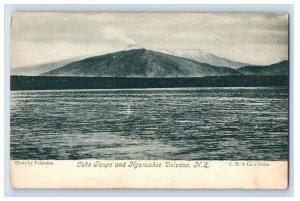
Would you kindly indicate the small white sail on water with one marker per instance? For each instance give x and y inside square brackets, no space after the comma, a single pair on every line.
[128,109]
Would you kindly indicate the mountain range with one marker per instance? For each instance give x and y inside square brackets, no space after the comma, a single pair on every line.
[205,57]
[280,68]
[140,62]
[39,69]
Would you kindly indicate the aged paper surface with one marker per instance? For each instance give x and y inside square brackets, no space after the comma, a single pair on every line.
[207,175]
[149,100]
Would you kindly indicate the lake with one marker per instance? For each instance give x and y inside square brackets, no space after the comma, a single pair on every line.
[150,124]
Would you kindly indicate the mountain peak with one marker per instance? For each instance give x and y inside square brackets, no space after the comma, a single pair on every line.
[202,56]
[133,47]
[139,63]
[138,50]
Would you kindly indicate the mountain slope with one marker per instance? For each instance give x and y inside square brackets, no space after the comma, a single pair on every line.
[139,63]
[205,57]
[280,68]
[41,68]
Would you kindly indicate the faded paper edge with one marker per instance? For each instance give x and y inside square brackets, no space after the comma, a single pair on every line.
[219,175]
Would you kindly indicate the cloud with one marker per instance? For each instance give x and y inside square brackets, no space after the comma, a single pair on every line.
[116,35]
[258,38]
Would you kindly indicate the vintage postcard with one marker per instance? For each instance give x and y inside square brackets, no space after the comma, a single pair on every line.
[149,100]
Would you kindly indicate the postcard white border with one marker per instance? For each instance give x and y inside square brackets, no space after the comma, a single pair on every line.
[159,8]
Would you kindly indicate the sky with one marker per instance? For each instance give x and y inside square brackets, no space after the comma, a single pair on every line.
[255,38]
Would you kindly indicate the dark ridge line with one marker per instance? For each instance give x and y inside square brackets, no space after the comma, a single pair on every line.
[56,83]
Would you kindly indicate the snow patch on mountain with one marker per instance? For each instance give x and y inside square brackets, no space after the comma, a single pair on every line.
[204,57]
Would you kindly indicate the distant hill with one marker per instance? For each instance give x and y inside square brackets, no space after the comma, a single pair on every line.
[139,63]
[281,68]
[35,70]
[205,57]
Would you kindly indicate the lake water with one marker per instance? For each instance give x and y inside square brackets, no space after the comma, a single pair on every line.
[156,124]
